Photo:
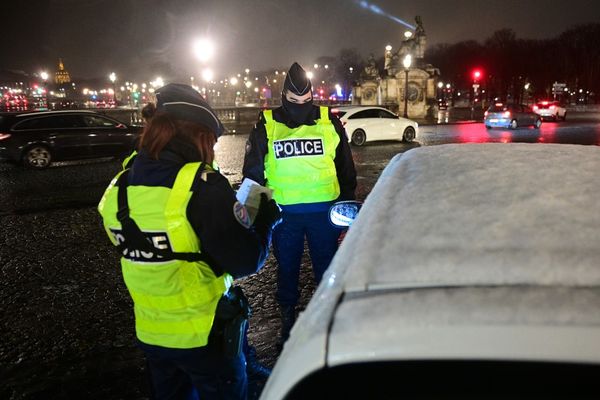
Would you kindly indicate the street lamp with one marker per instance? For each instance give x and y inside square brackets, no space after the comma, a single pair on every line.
[406,62]
[113,78]
[204,49]
[44,75]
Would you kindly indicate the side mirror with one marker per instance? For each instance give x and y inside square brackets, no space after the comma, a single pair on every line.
[343,213]
[121,126]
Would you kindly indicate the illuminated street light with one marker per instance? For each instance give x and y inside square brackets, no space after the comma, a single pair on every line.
[309,74]
[233,80]
[447,86]
[204,49]
[247,71]
[158,82]
[326,66]
[316,66]
[44,75]
[440,85]
[248,84]
[388,48]
[207,74]
[408,34]
[407,61]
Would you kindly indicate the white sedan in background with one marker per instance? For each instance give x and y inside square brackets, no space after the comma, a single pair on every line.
[365,124]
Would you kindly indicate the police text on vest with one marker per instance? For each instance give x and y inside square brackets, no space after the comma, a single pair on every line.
[297,148]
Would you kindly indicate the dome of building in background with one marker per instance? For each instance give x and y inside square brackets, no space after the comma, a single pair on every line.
[62,75]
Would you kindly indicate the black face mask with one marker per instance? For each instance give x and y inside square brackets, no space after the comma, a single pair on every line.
[298,113]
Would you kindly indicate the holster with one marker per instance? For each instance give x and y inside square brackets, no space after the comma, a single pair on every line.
[231,320]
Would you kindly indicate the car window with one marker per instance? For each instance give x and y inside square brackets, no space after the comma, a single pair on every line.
[386,114]
[498,108]
[52,122]
[340,114]
[95,121]
[365,114]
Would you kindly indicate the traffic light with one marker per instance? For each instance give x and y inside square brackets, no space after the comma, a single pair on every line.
[477,74]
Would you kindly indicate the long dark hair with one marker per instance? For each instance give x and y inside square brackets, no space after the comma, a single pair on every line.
[162,128]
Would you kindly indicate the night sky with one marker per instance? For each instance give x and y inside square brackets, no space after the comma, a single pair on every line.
[137,38]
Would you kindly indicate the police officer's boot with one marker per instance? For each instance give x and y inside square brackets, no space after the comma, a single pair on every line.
[254,369]
[288,317]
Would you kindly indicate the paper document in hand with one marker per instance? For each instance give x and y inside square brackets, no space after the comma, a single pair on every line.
[249,195]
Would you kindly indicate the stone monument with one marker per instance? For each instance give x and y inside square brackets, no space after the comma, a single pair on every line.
[388,90]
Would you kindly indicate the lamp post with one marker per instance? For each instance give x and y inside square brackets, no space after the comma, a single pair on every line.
[44,75]
[406,62]
[113,78]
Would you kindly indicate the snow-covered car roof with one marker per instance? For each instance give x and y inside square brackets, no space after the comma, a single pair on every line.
[462,252]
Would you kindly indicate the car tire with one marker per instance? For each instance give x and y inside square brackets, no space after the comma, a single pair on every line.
[488,127]
[537,123]
[359,137]
[37,157]
[409,134]
[514,124]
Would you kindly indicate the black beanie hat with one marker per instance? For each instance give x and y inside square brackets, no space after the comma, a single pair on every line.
[185,103]
[296,80]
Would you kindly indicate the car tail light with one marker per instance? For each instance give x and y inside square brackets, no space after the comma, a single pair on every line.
[535,108]
[485,114]
[4,136]
[545,103]
[552,107]
[506,114]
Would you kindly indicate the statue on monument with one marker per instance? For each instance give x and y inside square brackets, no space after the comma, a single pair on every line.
[414,45]
[371,71]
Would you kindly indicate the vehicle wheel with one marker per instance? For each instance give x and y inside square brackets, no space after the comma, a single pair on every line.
[359,137]
[538,123]
[409,134]
[37,157]
[514,124]
[488,127]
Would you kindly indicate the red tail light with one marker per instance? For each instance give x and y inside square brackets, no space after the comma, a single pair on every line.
[4,136]
[535,108]
[506,114]
[485,114]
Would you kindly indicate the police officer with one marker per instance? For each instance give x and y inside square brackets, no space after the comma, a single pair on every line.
[183,238]
[300,151]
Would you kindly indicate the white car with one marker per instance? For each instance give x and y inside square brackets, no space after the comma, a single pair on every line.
[467,274]
[550,109]
[365,124]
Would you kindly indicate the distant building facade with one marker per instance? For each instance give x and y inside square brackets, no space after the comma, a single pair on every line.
[61,76]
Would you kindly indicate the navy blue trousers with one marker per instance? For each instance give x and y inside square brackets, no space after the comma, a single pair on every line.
[198,373]
[288,247]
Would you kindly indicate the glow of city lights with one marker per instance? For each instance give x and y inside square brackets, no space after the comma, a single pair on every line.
[44,75]
[113,77]
[248,84]
[316,66]
[158,82]
[256,89]
[247,71]
[85,91]
[233,80]
[326,66]
[440,84]
[388,47]
[408,34]
[309,74]
[204,49]
[447,86]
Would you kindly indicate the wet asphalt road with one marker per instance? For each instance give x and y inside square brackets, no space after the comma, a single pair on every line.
[66,326]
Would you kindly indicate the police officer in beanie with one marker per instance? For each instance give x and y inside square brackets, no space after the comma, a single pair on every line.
[183,239]
[301,151]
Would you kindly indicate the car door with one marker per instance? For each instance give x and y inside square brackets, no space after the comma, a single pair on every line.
[64,134]
[390,126]
[107,137]
[362,119]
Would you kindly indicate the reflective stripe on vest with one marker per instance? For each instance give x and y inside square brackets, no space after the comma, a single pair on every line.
[299,165]
[174,301]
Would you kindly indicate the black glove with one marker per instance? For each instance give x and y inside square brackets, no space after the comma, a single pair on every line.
[268,216]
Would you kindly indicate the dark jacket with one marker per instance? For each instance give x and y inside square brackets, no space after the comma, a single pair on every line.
[257,148]
[228,245]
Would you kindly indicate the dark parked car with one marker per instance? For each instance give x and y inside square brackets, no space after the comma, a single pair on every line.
[511,116]
[39,138]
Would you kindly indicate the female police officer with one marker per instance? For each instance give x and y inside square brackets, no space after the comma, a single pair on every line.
[183,238]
